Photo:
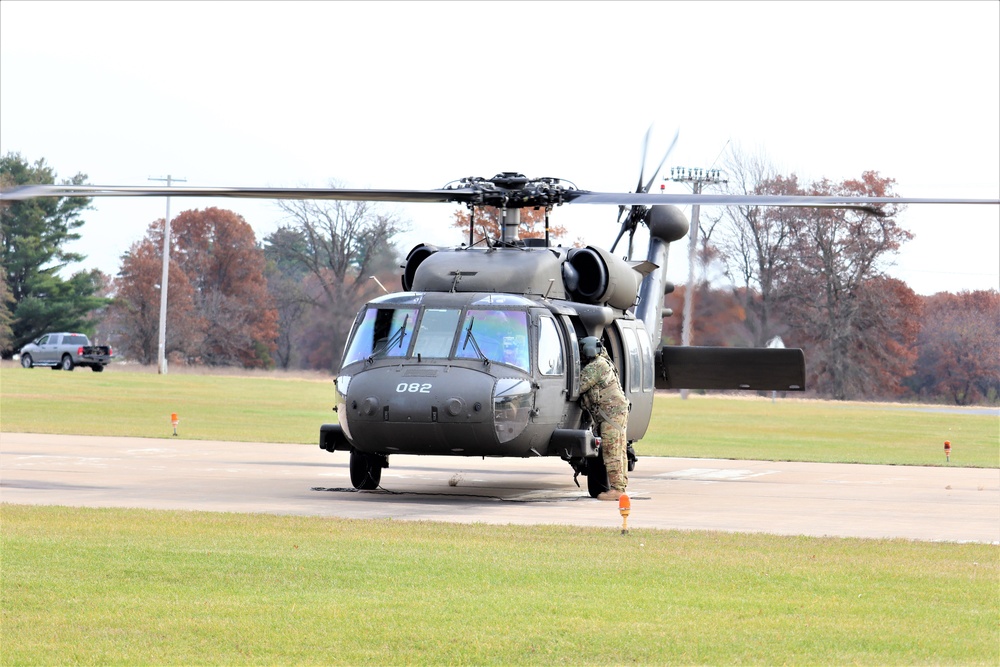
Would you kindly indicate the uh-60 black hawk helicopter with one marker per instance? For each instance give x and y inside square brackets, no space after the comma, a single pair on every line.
[479,354]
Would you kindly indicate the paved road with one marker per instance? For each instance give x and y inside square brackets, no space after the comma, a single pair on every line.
[949,504]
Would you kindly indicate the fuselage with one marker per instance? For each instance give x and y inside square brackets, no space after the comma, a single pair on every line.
[479,374]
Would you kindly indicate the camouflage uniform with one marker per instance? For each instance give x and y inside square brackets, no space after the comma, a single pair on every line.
[601,394]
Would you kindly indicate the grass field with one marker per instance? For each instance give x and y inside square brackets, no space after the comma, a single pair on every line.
[87,586]
[275,408]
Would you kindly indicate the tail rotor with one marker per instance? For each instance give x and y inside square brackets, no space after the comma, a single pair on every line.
[639,214]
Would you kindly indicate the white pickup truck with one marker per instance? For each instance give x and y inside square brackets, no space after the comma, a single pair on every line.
[65,351]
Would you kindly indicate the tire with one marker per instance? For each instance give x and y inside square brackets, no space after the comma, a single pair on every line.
[26,361]
[97,369]
[366,470]
[597,475]
[67,363]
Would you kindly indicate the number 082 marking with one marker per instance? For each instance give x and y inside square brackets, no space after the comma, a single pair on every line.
[413,388]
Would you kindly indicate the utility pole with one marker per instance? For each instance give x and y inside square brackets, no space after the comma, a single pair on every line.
[161,358]
[697,178]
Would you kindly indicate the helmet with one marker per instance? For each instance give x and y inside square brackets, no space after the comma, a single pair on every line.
[590,347]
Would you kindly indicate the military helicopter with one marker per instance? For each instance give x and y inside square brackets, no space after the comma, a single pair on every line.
[479,355]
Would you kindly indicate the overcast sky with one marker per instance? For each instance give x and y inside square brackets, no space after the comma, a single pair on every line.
[414,95]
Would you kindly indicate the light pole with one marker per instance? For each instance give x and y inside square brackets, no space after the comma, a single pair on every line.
[697,178]
[161,358]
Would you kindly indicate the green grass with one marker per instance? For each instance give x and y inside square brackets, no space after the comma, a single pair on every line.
[142,587]
[821,431]
[276,408]
[256,408]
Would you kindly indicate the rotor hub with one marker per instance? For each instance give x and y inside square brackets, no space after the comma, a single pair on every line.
[511,189]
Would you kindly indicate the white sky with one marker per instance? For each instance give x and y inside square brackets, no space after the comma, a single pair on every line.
[415,94]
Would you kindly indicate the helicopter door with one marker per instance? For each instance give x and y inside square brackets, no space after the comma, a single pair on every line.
[638,378]
[550,371]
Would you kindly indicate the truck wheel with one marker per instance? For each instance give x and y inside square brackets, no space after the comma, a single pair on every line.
[597,475]
[366,470]
[97,369]
[67,363]
[26,361]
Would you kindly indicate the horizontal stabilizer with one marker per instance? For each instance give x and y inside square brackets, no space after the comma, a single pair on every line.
[749,368]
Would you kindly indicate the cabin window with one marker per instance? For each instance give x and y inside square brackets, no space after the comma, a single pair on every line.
[500,336]
[647,361]
[550,352]
[436,333]
[383,332]
[634,361]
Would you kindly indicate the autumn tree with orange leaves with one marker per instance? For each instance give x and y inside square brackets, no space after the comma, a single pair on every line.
[219,311]
[843,309]
[815,275]
[133,318]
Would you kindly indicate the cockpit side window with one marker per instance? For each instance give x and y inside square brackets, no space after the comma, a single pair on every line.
[498,335]
[550,351]
[383,332]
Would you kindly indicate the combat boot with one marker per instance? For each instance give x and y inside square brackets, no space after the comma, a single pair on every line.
[610,494]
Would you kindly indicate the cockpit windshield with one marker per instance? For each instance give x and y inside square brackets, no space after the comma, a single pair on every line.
[497,335]
[490,334]
[437,331]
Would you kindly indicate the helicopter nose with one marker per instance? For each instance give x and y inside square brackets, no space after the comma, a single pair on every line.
[443,410]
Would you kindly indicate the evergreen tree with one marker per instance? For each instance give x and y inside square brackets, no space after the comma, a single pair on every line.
[33,235]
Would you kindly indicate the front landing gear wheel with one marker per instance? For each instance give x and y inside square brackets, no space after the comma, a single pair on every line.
[366,470]
[597,476]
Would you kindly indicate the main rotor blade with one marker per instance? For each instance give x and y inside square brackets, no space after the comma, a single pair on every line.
[648,199]
[428,196]
[464,195]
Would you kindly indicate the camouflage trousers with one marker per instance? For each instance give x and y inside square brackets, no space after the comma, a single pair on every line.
[613,449]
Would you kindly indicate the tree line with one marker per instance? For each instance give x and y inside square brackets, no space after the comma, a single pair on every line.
[812,277]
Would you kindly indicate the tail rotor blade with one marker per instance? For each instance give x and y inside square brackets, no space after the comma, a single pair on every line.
[658,168]
[642,165]
[621,233]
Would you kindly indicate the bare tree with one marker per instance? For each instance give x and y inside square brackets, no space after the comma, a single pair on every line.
[338,245]
[754,242]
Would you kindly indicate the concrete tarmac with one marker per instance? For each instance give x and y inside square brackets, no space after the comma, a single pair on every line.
[945,503]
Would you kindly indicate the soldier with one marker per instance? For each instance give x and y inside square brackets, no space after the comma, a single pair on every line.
[601,394]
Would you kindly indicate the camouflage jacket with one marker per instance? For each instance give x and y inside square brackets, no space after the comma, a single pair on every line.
[601,391]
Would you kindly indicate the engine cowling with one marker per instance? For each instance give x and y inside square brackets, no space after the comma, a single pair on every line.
[594,275]
[414,259]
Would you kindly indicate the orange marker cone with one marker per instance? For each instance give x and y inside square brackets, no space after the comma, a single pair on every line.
[624,508]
